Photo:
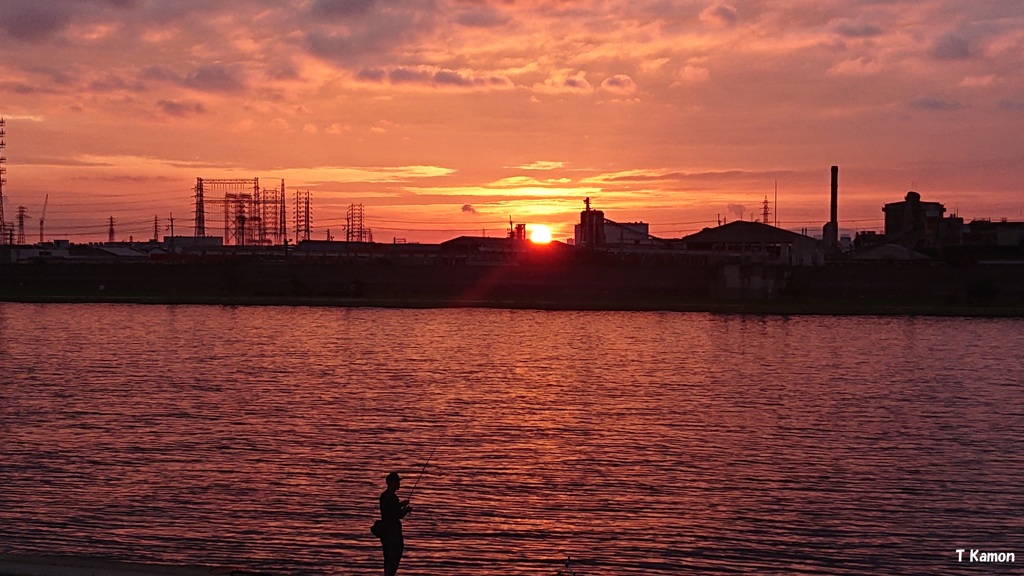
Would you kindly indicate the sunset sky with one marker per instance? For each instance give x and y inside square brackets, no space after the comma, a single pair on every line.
[448,117]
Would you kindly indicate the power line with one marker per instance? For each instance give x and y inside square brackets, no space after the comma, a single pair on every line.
[501,222]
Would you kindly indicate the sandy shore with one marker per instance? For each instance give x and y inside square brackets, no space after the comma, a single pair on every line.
[75,566]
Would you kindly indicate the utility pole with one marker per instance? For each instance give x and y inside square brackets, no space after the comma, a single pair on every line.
[110,231]
[3,180]
[200,209]
[156,229]
[303,216]
[22,214]
[355,231]
[170,218]
[43,218]
[282,217]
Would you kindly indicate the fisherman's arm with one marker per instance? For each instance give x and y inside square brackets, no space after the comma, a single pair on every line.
[390,508]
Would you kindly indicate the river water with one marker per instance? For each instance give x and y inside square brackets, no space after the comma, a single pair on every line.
[634,443]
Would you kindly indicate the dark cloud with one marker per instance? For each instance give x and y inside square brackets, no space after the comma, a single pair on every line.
[341,9]
[408,75]
[215,78]
[468,209]
[1015,105]
[372,75]
[450,78]
[181,109]
[951,46]
[931,103]
[34,20]
[576,82]
[486,17]
[193,14]
[46,80]
[39,20]
[427,77]
[496,82]
[283,71]
[159,74]
[210,78]
[344,47]
[56,76]
[372,32]
[851,29]
[620,84]
[736,210]
[112,82]
[24,89]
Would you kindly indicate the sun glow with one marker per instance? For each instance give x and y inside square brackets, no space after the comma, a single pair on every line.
[540,234]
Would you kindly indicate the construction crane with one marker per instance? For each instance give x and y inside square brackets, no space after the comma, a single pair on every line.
[42,218]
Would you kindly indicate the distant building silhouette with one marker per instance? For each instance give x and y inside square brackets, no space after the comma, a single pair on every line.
[590,230]
[756,241]
[916,230]
[921,225]
[596,231]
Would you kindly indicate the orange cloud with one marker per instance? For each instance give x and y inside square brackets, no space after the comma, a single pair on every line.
[691,74]
[735,95]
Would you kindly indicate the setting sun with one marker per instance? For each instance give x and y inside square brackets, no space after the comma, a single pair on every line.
[540,234]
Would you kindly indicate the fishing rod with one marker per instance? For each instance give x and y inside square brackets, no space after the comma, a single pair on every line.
[420,475]
[431,456]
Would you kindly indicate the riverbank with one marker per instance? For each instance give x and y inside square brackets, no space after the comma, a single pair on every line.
[890,290]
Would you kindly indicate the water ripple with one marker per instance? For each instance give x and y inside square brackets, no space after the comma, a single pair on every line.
[636,443]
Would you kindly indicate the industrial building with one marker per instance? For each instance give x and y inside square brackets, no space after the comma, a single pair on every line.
[918,230]
[755,242]
[594,230]
[921,225]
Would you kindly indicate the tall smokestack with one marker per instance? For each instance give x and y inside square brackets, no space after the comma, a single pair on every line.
[833,233]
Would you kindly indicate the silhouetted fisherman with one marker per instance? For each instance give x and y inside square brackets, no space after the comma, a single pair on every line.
[391,513]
